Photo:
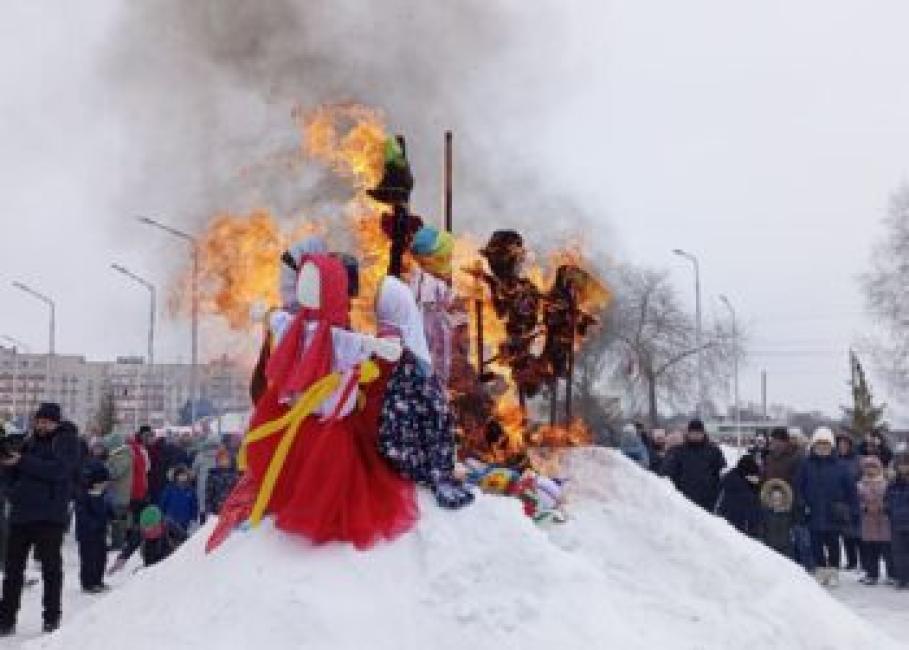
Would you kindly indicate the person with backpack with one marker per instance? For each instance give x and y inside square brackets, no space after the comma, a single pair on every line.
[157,538]
[41,478]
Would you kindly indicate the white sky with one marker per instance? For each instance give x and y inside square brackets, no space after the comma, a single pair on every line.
[763,136]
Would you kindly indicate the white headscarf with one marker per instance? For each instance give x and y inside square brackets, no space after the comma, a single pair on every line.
[397,309]
[314,245]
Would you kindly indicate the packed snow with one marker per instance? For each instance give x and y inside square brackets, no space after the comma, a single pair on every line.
[637,567]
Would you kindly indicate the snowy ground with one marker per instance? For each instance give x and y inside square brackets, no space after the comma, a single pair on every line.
[637,568]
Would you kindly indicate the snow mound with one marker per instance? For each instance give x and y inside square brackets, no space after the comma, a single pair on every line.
[637,567]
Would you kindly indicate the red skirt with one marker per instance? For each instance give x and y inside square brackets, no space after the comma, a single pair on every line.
[343,490]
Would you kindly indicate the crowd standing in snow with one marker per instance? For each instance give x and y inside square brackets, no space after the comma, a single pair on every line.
[116,494]
[826,503]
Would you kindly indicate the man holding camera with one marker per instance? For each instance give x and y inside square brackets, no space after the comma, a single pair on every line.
[41,476]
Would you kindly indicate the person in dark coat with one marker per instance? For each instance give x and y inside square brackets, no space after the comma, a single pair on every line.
[93,514]
[783,457]
[896,505]
[776,528]
[826,500]
[739,503]
[221,481]
[850,535]
[657,450]
[694,467]
[42,475]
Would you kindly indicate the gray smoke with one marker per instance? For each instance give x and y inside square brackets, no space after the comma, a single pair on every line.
[206,89]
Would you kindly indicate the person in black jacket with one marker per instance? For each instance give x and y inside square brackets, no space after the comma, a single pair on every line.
[93,514]
[694,467]
[42,475]
[739,501]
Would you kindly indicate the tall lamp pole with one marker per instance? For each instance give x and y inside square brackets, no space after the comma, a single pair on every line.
[735,371]
[193,376]
[53,327]
[151,331]
[698,332]
[17,345]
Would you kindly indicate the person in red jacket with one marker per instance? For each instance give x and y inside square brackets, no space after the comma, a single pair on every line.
[138,497]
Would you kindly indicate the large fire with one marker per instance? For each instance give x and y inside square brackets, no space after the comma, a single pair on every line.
[239,257]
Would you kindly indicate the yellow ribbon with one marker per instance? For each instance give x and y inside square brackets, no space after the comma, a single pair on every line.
[306,404]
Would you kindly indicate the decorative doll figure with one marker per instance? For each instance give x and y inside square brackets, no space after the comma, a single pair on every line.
[416,431]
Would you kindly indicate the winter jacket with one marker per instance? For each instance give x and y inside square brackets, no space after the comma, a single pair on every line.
[694,469]
[154,550]
[739,503]
[875,523]
[826,496]
[896,504]
[782,465]
[851,462]
[776,530]
[221,481]
[157,470]
[180,504]
[139,491]
[42,483]
[92,516]
[120,466]
[634,448]
[203,464]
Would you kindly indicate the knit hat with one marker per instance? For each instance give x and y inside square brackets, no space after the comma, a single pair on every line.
[696,425]
[433,249]
[151,522]
[780,433]
[823,434]
[49,411]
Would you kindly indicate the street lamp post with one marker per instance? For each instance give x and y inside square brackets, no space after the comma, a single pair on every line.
[193,376]
[735,371]
[17,345]
[53,327]
[698,328]
[151,331]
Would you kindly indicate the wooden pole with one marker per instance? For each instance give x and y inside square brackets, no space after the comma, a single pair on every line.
[447,192]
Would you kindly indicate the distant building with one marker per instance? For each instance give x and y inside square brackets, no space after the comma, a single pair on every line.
[135,392]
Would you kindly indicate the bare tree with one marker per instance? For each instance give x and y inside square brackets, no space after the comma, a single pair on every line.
[886,288]
[654,342]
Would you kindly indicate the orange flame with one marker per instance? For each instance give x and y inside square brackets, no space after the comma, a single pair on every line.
[239,256]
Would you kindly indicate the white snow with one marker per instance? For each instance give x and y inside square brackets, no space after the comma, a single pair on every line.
[637,567]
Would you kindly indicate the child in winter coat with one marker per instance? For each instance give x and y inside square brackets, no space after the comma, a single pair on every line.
[776,498]
[93,515]
[896,505]
[221,480]
[156,539]
[179,502]
[739,503]
[875,526]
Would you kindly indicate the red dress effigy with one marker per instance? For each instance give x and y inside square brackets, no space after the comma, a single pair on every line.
[344,490]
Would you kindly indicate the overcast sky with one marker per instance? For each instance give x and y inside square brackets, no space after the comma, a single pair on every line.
[765,137]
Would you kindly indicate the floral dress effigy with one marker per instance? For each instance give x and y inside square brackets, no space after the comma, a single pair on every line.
[416,434]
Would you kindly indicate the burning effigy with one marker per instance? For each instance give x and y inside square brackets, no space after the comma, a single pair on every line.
[437,350]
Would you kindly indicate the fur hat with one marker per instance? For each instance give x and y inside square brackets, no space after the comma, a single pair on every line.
[49,411]
[777,485]
[823,434]
[780,433]
[696,425]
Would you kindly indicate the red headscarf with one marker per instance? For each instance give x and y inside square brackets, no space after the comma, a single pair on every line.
[291,368]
